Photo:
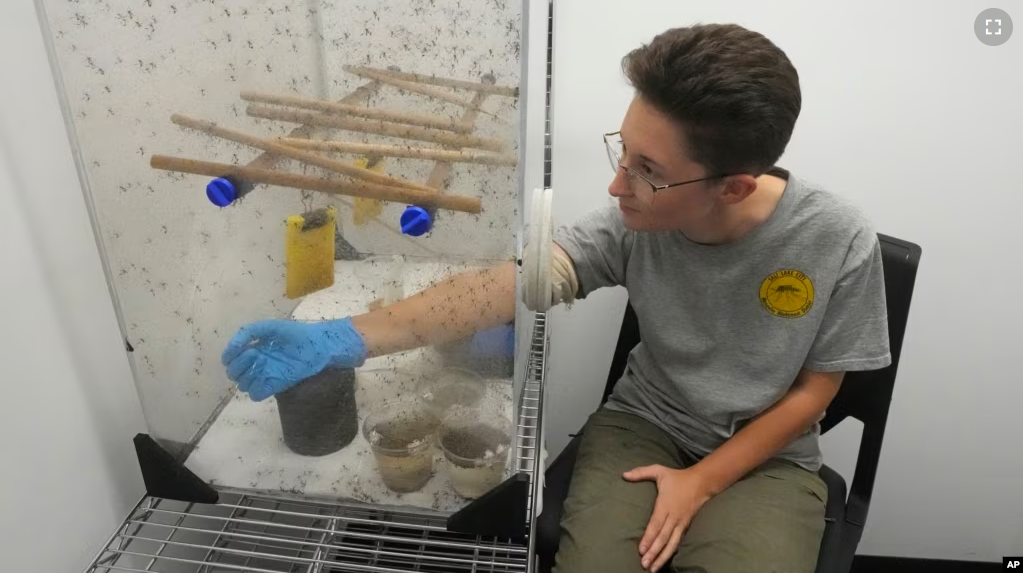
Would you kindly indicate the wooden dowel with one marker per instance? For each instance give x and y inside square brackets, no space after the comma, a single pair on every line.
[374,127]
[442,169]
[509,91]
[267,160]
[485,158]
[273,146]
[333,186]
[360,111]
[418,89]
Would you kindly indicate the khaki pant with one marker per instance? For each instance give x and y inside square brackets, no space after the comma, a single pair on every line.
[770,521]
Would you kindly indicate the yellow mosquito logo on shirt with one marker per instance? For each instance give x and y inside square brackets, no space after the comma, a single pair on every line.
[787,293]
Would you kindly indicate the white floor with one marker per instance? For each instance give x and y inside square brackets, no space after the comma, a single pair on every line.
[244,448]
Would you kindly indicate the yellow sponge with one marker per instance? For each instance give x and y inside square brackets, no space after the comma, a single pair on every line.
[309,252]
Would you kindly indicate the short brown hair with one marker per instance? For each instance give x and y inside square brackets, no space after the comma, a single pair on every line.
[732,90]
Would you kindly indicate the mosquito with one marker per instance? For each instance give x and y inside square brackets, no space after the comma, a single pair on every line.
[789,293]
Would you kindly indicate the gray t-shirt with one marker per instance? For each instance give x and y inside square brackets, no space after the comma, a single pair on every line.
[725,329]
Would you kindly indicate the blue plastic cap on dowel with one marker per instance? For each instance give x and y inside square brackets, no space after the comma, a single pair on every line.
[416,221]
[221,192]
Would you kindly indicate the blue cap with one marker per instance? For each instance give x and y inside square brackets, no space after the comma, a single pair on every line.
[221,192]
[416,221]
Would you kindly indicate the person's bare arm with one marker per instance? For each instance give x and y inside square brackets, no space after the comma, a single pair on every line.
[452,309]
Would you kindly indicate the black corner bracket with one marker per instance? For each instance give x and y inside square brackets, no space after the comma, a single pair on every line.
[501,512]
[166,477]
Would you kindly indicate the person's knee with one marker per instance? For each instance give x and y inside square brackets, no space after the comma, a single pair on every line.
[602,534]
[734,556]
[604,516]
[592,551]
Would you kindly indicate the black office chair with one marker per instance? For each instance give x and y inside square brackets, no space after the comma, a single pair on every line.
[864,395]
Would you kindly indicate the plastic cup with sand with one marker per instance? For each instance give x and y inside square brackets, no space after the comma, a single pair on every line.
[476,443]
[401,434]
[451,387]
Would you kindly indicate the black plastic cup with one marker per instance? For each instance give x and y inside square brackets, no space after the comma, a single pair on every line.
[319,415]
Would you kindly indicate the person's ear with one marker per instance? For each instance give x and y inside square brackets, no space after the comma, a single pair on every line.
[736,188]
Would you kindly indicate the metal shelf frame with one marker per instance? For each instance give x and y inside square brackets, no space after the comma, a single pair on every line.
[530,435]
[251,532]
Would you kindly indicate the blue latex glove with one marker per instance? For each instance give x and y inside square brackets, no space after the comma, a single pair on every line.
[267,357]
[494,342]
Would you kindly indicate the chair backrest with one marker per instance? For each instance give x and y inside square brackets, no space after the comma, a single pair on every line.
[628,338]
[864,395]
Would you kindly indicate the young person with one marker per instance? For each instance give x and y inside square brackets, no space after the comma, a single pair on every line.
[755,292]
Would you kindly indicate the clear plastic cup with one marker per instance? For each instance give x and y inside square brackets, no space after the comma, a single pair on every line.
[476,443]
[451,387]
[401,435]
[382,384]
[381,277]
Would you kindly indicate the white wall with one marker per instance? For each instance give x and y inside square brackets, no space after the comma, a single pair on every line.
[70,473]
[909,115]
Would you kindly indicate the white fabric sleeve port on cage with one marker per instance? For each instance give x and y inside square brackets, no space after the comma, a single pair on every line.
[564,281]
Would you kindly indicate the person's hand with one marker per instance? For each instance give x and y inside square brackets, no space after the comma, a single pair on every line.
[680,493]
[267,357]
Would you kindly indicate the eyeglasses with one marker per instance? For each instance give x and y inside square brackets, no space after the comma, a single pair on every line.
[643,188]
